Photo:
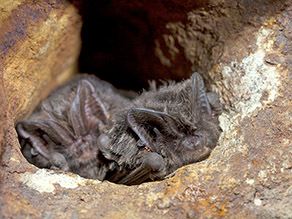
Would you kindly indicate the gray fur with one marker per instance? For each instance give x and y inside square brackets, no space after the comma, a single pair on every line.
[144,139]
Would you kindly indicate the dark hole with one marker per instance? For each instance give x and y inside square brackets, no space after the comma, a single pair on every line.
[113,41]
[118,40]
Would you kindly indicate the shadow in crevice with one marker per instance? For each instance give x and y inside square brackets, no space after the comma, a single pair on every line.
[119,36]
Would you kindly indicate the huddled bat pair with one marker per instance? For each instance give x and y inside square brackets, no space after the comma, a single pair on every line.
[92,129]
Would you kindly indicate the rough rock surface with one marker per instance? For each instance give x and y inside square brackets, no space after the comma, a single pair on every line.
[249,173]
[39,45]
[3,119]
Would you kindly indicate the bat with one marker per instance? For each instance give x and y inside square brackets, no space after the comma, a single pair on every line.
[145,139]
[164,129]
[63,132]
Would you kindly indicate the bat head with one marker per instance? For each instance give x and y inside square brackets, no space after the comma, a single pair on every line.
[70,143]
[182,125]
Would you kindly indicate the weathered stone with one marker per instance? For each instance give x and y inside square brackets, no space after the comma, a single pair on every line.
[3,114]
[39,45]
[150,39]
[247,175]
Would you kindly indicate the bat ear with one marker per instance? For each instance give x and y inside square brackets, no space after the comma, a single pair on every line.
[43,135]
[148,125]
[200,102]
[87,110]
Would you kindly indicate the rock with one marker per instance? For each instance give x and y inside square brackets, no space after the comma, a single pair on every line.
[3,118]
[244,47]
[40,44]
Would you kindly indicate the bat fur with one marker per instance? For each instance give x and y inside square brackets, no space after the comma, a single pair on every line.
[90,128]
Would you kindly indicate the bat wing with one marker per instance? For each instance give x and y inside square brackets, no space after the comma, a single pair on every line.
[152,167]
